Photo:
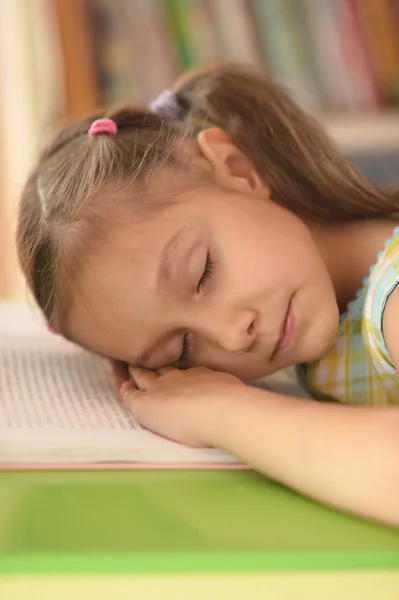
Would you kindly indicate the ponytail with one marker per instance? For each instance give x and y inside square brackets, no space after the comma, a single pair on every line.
[302,166]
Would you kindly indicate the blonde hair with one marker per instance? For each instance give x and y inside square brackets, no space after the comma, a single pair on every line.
[76,176]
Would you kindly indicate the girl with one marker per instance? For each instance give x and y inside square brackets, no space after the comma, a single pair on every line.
[212,240]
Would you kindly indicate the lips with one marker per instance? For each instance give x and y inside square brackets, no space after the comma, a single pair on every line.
[286,332]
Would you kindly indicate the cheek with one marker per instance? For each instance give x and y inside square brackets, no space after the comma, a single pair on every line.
[270,240]
[261,261]
[290,255]
[264,248]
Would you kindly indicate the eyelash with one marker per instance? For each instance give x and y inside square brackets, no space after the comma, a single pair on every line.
[208,272]
[206,277]
[185,355]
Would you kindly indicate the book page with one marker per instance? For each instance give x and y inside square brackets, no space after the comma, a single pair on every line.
[48,384]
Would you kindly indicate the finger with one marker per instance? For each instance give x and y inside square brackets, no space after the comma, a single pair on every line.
[143,378]
[129,394]
[118,374]
[164,370]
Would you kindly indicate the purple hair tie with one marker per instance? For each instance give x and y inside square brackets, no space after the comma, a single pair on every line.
[103,126]
[167,105]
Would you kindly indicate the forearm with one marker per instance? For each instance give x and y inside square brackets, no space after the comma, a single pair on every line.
[344,456]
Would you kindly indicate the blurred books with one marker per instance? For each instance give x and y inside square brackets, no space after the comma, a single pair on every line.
[339,59]
[333,55]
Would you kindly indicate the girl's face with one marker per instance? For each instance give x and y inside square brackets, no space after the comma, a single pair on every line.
[223,278]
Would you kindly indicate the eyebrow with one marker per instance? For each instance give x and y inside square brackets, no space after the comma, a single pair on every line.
[168,256]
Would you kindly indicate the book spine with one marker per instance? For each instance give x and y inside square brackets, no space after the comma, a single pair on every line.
[112,53]
[264,14]
[20,128]
[356,55]
[203,31]
[282,50]
[80,76]
[394,9]
[381,36]
[237,31]
[175,12]
[336,63]
[311,59]
[152,53]
[310,96]
[46,55]
[321,31]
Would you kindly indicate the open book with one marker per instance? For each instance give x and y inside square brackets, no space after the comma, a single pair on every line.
[56,406]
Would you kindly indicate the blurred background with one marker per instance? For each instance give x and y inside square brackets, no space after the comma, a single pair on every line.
[59,58]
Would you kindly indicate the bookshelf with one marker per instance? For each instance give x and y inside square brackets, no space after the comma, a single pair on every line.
[365,133]
[338,58]
[354,87]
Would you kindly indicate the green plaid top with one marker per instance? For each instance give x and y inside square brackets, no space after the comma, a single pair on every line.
[358,368]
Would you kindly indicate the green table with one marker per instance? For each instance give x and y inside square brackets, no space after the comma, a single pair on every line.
[193,534]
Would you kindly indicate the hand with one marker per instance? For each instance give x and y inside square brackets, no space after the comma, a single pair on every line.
[184,406]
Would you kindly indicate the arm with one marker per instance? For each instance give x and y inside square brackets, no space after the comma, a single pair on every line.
[344,456]
[341,455]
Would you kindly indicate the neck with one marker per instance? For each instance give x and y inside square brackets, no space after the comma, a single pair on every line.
[348,250]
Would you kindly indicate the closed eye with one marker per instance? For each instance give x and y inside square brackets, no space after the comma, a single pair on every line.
[185,355]
[208,272]
[206,277]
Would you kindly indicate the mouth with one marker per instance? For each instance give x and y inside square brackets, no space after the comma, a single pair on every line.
[286,332]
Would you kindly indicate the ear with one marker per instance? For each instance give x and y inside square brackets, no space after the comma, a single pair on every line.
[231,167]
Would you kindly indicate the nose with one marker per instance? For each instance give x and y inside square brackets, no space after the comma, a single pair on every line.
[233,330]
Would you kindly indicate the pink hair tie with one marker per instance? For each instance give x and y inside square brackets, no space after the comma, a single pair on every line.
[103,126]
[51,329]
